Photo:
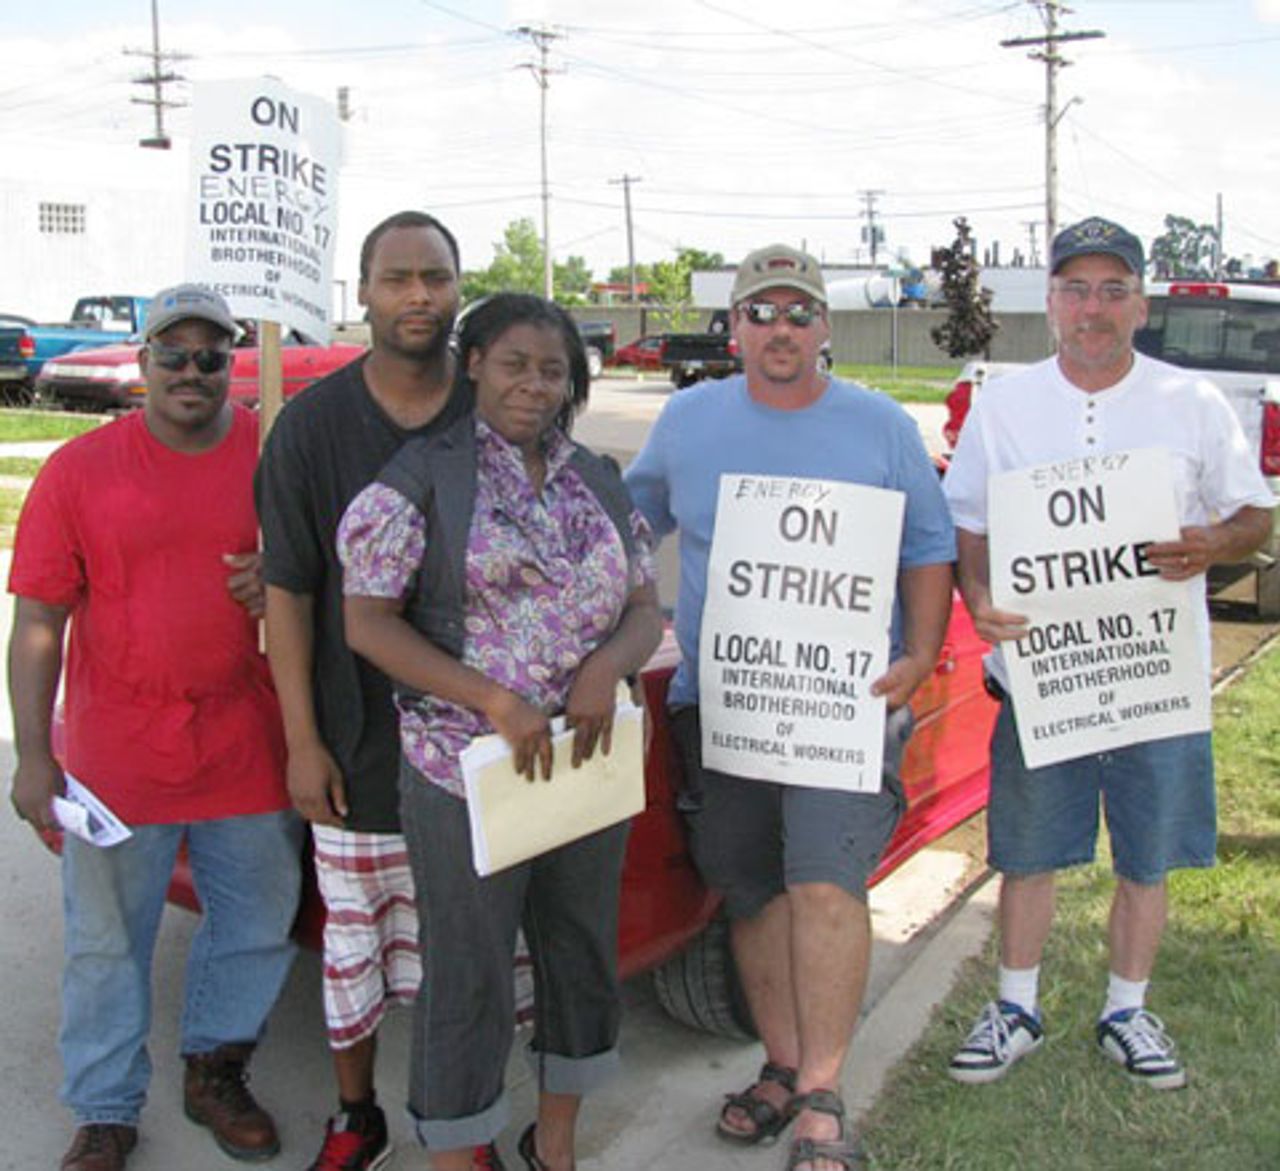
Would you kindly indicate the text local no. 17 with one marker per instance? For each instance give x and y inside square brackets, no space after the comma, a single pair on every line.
[265,162]
[1113,653]
[800,589]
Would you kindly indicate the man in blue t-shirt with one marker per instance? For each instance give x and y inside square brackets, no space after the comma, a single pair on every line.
[793,861]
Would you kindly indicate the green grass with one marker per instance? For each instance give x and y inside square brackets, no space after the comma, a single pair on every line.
[908,384]
[10,505]
[19,465]
[1216,985]
[22,426]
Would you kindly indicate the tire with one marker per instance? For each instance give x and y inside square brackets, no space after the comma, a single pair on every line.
[1269,591]
[700,988]
[595,362]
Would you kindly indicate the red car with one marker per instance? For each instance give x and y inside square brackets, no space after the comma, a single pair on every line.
[645,353]
[670,922]
[109,379]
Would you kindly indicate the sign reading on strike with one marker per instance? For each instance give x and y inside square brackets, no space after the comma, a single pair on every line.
[1113,654]
[800,591]
[265,185]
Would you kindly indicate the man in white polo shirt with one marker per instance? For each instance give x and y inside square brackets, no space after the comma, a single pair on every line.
[1098,396]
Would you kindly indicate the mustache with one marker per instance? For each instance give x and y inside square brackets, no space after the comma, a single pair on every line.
[200,387]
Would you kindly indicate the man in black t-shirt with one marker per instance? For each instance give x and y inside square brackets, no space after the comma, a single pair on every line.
[340,723]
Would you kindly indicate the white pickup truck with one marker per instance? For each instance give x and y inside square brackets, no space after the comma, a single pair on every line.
[1228,332]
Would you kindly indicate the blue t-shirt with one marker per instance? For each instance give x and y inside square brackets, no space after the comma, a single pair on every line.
[851,434]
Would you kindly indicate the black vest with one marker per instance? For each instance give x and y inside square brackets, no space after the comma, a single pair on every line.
[438,474]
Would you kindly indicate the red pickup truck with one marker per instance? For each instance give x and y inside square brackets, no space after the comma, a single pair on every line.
[670,923]
[109,379]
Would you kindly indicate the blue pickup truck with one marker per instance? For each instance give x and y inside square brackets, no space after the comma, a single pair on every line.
[15,347]
[95,321]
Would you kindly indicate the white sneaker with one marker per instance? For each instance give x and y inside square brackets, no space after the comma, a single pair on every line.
[1136,1039]
[1002,1034]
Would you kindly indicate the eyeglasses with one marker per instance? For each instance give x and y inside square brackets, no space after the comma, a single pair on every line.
[175,358]
[766,313]
[1108,292]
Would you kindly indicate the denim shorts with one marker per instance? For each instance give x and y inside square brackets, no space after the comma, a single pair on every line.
[751,839]
[1158,797]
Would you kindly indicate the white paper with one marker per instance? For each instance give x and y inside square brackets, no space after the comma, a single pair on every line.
[1113,653]
[801,583]
[82,813]
[513,819]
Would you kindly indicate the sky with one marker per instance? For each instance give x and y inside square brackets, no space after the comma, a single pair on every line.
[739,123]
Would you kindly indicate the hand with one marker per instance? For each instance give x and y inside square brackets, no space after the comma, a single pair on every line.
[590,707]
[526,730]
[35,784]
[994,625]
[1183,559]
[244,582]
[899,682]
[316,787]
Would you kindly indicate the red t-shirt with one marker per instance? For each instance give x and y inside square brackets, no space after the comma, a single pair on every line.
[170,714]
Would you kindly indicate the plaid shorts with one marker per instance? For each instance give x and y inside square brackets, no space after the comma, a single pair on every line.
[371,957]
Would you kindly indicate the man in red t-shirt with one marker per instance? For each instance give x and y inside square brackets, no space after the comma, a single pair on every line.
[141,537]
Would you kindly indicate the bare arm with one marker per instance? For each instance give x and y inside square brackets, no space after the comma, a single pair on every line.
[926,607]
[593,696]
[377,629]
[1201,546]
[244,580]
[35,665]
[975,586]
[315,781]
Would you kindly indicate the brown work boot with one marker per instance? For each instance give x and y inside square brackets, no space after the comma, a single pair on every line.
[215,1093]
[100,1146]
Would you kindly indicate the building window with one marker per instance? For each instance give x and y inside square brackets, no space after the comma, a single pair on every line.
[62,218]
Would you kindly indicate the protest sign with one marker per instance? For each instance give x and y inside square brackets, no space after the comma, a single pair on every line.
[264,186]
[800,590]
[1113,655]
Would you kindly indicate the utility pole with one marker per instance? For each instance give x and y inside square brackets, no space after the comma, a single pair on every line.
[1031,226]
[1053,61]
[871,233]
[1219,256]
[156,79]
[626,181]
[541,37]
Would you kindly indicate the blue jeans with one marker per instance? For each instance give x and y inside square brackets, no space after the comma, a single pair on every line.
[247,873]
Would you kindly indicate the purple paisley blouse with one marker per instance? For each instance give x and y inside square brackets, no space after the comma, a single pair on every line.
[546,581]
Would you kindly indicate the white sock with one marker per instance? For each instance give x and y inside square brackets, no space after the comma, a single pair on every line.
[1123,995]
[1021,986]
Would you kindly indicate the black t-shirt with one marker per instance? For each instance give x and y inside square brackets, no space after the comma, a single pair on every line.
[327,444]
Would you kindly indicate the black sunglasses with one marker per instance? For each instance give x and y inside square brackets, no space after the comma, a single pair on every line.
[175,358]
[766,313]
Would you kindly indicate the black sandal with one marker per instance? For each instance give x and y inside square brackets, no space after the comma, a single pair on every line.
[844,1150]
[527,1149]
[768,1121]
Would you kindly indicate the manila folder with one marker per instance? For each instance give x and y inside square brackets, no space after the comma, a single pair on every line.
[513,819]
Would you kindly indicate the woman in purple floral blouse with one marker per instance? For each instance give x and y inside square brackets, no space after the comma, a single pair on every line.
[550,604]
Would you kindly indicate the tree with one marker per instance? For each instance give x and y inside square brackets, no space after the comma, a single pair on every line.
[969,326]
[1185,249]
[517,268]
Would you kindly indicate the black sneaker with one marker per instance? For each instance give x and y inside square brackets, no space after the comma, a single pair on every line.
[1136,1039]
[1002,1035]
[354,1142]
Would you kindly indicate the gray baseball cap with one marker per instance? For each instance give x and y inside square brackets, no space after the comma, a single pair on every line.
[778,267]
[183,302]
[1093,237]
